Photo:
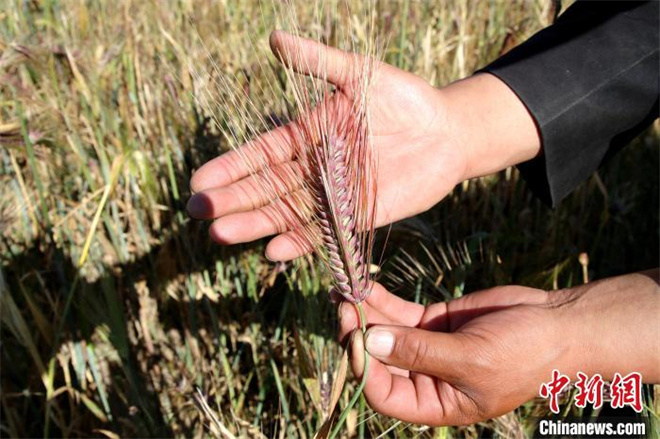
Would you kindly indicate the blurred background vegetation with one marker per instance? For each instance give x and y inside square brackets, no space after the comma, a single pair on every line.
[116,308]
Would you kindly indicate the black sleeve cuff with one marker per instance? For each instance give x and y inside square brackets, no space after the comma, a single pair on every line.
[591,83]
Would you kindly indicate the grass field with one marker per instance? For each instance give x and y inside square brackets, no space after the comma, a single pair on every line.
[117,309]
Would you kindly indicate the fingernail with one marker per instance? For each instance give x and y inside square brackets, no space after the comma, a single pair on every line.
[335,297]
[357,352]
[272,257]
[380,343]
[196,206]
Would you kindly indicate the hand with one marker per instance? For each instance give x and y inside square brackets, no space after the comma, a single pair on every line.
[488,352]
[455,363]
[426,141]
[418,164]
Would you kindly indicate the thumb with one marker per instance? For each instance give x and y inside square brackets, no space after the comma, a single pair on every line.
[434,353]
[310,57]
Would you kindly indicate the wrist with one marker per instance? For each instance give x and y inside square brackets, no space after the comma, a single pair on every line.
[573,332]
[610,326]
[490,124]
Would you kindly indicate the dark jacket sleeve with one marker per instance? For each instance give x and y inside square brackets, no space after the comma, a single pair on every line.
[591,83]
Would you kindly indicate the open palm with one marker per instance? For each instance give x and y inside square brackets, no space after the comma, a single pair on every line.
[417,166]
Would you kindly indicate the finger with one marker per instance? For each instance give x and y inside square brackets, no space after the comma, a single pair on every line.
[436,317]
[435,353]
[247,194]
[336,298]
[483,302]
[412,399]
[271,148]
[348,318]
[400,311]
[287,246]
[503,296]
[380,308]
[313,58]
[348,323]
[268,220]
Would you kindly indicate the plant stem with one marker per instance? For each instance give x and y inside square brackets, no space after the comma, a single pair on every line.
[362,325]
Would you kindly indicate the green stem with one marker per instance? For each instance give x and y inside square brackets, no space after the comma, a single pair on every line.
[342,418]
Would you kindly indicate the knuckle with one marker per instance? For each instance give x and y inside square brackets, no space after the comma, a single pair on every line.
[413,350]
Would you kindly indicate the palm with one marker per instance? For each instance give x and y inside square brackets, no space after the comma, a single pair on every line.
[416,166]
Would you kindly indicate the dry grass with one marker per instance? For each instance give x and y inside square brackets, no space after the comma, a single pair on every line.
[99,136]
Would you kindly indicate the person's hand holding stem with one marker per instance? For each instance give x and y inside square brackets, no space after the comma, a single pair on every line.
[483,355]
[457,362]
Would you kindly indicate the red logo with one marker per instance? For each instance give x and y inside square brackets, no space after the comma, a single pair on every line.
[553,388]
[627,391]
[589,390]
